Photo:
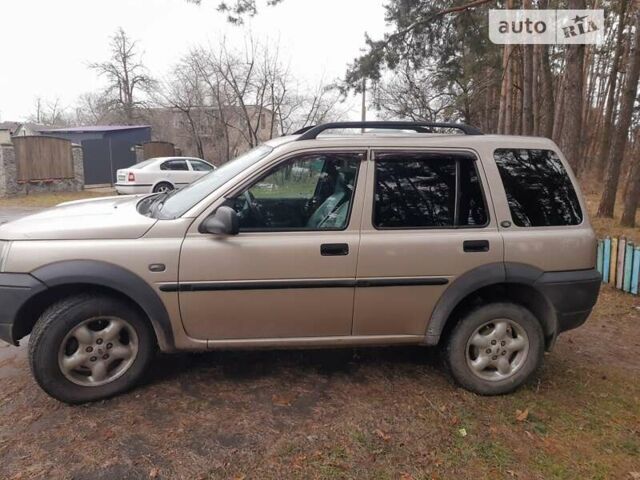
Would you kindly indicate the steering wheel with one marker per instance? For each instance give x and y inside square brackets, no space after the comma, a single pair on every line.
[254,208]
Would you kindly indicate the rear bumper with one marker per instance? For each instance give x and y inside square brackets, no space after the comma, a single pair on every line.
[15,291]
[132,189]
[572,294]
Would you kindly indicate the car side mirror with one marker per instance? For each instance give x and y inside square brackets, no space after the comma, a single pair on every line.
[224,221]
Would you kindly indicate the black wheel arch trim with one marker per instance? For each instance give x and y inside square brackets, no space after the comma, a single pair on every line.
[552,286]
[125,282]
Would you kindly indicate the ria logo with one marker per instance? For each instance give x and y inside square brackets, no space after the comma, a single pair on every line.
[582,25]
[546,26]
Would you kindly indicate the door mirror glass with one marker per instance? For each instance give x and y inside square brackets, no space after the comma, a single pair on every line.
[224,221]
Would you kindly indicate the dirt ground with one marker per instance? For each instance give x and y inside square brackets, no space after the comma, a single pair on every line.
[384,413]
[370,413]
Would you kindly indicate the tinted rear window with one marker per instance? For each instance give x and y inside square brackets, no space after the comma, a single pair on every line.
[539,190]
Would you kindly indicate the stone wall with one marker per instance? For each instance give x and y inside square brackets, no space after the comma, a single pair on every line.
[10,186]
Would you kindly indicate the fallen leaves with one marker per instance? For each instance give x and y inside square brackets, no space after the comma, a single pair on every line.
[522,415]
[281,400]
[384,436]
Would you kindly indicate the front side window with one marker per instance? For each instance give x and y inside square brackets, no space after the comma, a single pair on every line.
[539,190]
[427,190]
[180,165]
[309,192]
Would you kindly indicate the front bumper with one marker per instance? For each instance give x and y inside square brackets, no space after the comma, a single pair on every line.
[572,294]
[16,289]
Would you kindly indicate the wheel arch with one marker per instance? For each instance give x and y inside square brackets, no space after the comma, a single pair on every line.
[162,180]
[66,278]
[491,283]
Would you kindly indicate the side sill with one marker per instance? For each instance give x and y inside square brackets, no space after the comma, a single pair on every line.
[316,342]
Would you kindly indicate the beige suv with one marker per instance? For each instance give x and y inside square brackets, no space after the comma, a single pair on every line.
[476,243]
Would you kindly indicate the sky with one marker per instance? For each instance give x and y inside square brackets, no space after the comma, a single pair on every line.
[48,44]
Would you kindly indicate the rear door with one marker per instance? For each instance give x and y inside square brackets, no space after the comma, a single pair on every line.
[177,172]
[199,168]
[426,221]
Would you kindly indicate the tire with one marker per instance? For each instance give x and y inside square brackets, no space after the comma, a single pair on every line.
[476,341]
[163,187]
[122,356]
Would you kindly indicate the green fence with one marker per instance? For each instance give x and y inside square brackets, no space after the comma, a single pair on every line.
[619,263]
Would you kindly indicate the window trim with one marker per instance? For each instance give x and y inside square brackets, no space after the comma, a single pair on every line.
[263,175]
[570,175]
[473,157]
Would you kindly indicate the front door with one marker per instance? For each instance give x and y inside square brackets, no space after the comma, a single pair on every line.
[426,221]
[290,272]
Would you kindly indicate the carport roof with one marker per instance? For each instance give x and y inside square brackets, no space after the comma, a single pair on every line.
[95,128]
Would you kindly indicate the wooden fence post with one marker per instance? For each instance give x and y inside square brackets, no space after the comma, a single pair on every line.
[622,245]
[599,257]
[628,261]
[606,260]
[614,261]
[635,274]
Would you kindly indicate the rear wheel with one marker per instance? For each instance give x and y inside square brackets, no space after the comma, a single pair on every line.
[163,187]
[90,347]
[495,349]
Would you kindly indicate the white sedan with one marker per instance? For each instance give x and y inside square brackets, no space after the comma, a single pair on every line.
[161,174]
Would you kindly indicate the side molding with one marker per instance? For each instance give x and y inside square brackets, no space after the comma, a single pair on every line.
[92,272]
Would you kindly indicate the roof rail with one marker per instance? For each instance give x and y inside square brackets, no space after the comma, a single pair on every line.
[310,133]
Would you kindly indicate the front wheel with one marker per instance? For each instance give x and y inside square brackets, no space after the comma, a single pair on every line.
[495,349]
[90,347]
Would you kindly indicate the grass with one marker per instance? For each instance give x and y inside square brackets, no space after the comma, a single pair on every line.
[366,414]
[46,200]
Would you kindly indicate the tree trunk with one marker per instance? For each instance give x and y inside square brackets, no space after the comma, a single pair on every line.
[558,116]
[535,90]
[505,90]
[601,161]
[632,196]
[570,138]
[547,110]
[612,177]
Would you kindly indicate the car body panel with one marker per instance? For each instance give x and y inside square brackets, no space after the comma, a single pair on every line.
[287,257]
[101,219]
[383,292]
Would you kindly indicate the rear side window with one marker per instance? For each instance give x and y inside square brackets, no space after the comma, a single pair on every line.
[174,165]
[427,190]
[539,190]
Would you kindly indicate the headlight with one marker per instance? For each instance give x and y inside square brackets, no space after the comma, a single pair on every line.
[4,252]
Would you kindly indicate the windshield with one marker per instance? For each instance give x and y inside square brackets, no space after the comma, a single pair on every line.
[178,202]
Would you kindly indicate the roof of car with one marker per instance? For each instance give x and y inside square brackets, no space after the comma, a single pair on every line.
[161,159]
[380,139]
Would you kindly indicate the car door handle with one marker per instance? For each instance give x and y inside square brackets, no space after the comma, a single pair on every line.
[475,245]
[334,249]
